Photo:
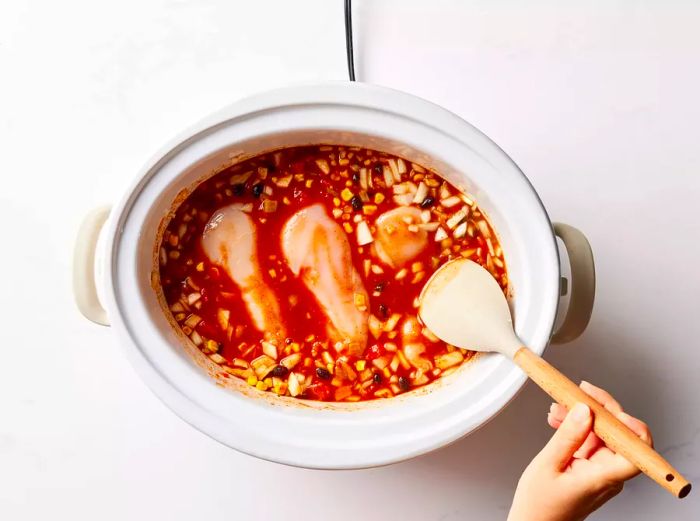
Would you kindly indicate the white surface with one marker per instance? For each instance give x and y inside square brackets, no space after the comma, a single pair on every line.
[597,104]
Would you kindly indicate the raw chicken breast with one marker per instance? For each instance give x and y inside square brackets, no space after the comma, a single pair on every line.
[395,243]
[317,249]
[230,240]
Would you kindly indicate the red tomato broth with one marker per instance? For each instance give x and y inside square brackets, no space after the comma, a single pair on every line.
[196,289]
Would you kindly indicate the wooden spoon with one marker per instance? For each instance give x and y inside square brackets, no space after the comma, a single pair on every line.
[464,306]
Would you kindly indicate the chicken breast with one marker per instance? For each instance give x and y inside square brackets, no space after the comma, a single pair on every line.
[396,244]
[317,249]
[230,240]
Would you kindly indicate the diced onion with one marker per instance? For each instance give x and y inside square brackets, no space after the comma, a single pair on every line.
[364,235]
[421,193]
[388,178]
[457,217]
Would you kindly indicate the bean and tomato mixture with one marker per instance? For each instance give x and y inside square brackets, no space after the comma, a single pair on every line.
[356,187]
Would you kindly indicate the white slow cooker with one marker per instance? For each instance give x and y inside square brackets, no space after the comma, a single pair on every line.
[115,282]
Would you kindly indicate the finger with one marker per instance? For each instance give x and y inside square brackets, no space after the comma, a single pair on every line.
[567,439]
[601,396]
[579,466]
[588,447]
[558,411]
[591,444]
[637,426]
[556,415]
[554,423]
[620,469]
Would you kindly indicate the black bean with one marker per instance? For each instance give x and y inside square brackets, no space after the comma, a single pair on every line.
[377,378]
[323,373]
[379,287]
[287,340]
[383,311]
[239,189]
[257,189]
[427,202]
[355,177]
[356,202]
[279,371]
[378,169]
[404,384]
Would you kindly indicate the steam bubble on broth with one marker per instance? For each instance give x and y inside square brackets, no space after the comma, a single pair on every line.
[229,240]
[317,249]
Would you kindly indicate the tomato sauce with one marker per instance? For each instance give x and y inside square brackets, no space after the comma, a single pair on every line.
[354,186]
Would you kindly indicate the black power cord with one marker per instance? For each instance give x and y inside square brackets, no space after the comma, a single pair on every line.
[348,39]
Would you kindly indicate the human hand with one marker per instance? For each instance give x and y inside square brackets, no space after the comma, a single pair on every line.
[575,473]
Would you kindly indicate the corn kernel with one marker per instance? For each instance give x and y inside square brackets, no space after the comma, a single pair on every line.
[200,266]
[369,209]
[346,194]
[360,365]
[261,386]
[379,197]
[416,267]
[252,380]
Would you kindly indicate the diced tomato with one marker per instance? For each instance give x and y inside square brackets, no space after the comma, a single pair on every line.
[319,391]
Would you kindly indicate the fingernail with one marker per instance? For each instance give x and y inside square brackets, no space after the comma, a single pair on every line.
[580,413]
[551,407]
[625,417]
[584,383]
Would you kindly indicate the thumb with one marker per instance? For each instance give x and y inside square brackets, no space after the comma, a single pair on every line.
[568,438]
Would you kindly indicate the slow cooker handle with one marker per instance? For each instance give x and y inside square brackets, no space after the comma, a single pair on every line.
[84,287]
[582,284]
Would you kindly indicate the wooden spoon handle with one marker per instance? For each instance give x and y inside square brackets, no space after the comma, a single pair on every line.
[612,431]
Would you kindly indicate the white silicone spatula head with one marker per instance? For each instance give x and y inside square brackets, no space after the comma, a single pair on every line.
[464,305]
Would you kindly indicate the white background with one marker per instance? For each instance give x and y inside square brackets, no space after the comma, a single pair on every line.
[598,104]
